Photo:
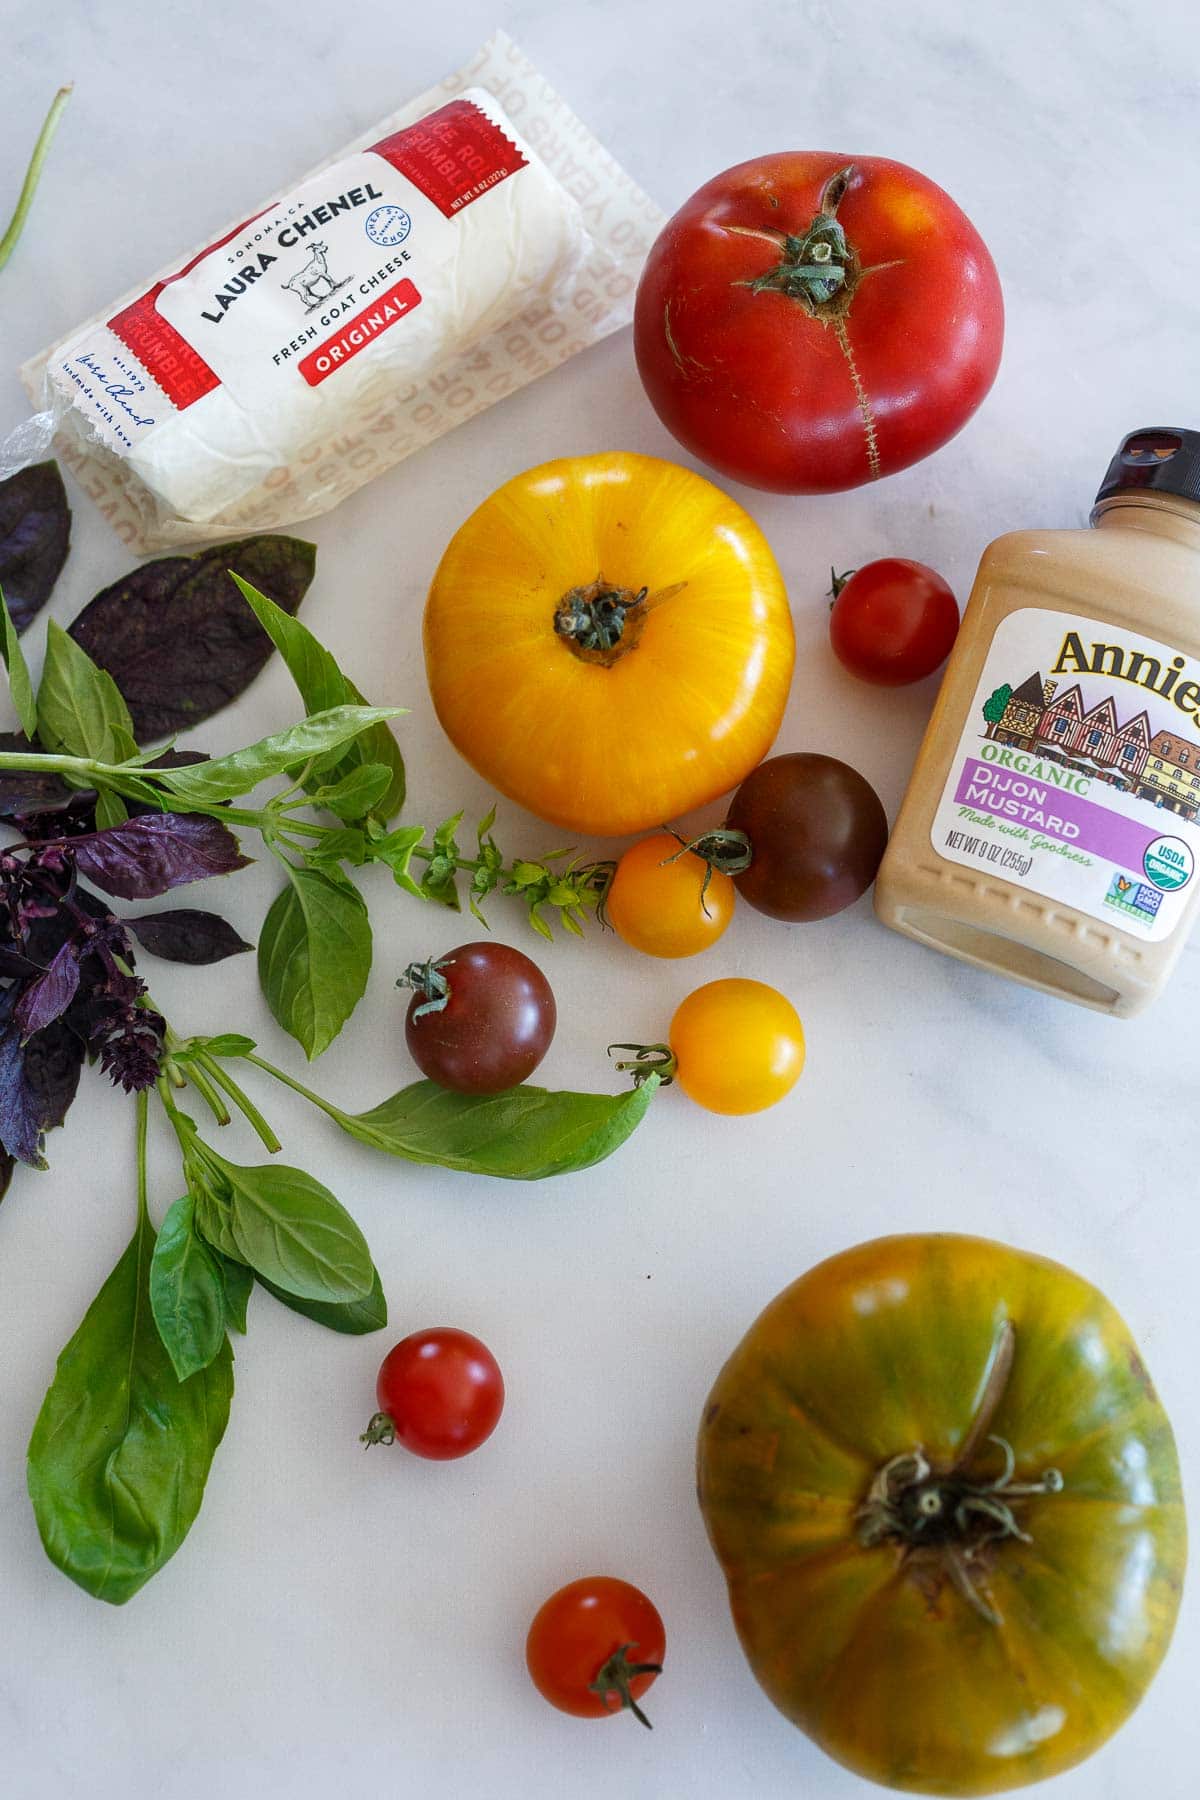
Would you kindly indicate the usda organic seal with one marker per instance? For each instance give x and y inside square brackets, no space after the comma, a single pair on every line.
[1169,862]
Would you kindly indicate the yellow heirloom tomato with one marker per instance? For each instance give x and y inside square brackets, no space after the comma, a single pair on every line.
[608,642]
[947,1503]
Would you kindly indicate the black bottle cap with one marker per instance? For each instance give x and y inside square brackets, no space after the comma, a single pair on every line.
[1160,459]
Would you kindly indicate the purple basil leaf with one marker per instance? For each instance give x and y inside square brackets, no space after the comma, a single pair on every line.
[48,998]
[177,637]
[35,535]
[7,1166]
[22,793]
[20,1107]
[53,1059]
[187,936]
[155,852]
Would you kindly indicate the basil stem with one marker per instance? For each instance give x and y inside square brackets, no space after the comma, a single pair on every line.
[16,225]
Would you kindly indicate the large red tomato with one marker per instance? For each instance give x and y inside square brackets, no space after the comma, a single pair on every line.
[807,322]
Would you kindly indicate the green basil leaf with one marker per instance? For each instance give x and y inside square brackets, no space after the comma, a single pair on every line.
[121,1449]
[237,1283]
[80,711]
[396,850]
[314,956]
[228,1043]
[322,684]
[357,793]
[291,1230]
[214,1214]
[523,1135]
[345,843]
[110,810]
[19,684]
[187,1293]
[354,1317]
[226,777]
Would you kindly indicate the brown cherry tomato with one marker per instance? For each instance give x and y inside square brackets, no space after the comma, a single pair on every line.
[817,835]
[481,1018]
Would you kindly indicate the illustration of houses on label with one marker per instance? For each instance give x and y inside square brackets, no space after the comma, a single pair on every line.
[1162,767]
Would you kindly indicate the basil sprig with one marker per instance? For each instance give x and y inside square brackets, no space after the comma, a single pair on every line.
[128,1431]
[122,1447]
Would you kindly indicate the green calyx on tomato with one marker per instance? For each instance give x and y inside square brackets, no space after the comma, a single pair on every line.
[615,1677]
[592,619]
[380,1430]
[817,267]
[946,1513]
[429,982]
[722,851]
[648,1059]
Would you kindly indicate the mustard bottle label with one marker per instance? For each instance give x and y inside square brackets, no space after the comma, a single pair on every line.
[1077,775]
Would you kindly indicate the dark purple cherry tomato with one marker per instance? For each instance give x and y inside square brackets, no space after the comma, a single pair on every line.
[893,621]
[481,1018]
[440,1394]
[817,835]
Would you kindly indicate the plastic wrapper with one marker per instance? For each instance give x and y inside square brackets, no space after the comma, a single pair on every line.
[467,244]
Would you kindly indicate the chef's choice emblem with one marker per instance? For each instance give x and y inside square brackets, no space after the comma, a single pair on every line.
[312,283]
[388,225]
[1169,863]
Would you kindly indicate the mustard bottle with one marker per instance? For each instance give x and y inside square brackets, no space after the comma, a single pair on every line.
[1051,829]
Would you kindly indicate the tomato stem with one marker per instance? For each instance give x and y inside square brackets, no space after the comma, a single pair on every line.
[615,1677]
[428,980]
[592,619]
[837,582]
[724,849]
[947,1514]
[817,266]
[648,1059]
[381,1430]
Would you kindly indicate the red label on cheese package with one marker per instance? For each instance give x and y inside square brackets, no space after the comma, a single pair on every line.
[454,155]
[358,332]
[181,372]
[183,376]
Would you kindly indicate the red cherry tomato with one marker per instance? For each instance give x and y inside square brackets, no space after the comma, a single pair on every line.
[440,1394]
[893,621]
[595,1647]
[481,1018]
[807,322]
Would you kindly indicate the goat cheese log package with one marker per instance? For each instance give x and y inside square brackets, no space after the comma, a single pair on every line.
[411,280]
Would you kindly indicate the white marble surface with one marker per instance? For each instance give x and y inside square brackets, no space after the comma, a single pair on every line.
[343,1624]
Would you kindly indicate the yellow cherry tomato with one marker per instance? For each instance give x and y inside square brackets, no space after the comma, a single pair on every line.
[608,642]
[738,1045]
[658,901]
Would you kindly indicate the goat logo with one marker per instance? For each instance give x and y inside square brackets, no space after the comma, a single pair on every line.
[312,284]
